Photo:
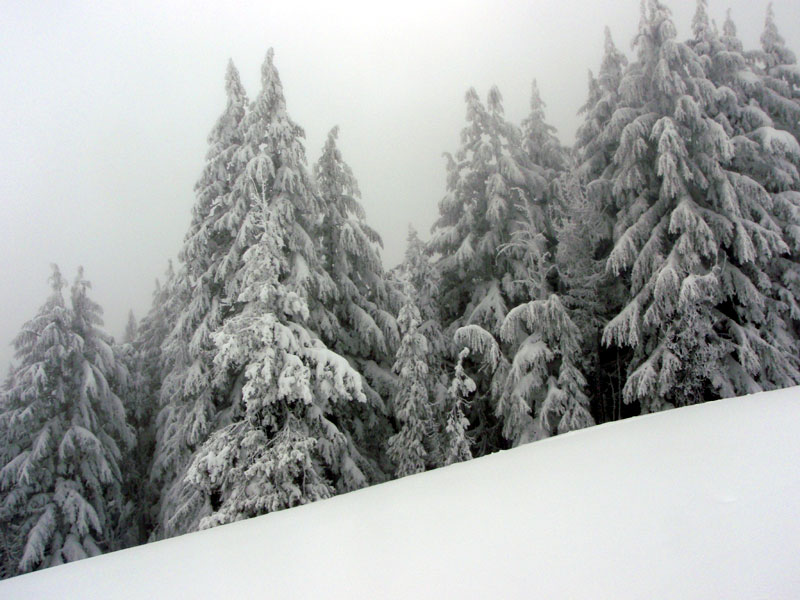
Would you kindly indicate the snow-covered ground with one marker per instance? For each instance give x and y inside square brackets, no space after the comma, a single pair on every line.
[700,502]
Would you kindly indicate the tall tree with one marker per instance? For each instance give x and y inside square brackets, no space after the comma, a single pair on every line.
[780,94]
[287,447]
[353,301]
[412,402]
[491,186]
[693,238]
[64,431]
[194,397]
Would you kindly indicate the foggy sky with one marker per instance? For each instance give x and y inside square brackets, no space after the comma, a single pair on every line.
[105,111]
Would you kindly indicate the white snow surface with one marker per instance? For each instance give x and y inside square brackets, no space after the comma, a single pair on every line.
[699,502]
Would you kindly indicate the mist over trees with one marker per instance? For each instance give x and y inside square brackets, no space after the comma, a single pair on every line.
[652,265]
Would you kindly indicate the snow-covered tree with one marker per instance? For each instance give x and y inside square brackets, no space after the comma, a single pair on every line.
[412,403]
[286,448]
[780,92]
[193,394]
[693,238]
[272,215]
[491,186]
[352,319]
[502,189]
[352,303]
[63,431]
[597,138]
[455,439]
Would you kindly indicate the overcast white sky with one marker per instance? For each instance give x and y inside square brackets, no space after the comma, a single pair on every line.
[106,107]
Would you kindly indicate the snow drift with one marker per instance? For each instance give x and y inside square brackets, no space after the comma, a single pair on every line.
[700,502]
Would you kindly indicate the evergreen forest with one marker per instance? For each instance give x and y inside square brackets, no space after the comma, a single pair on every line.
[655,264]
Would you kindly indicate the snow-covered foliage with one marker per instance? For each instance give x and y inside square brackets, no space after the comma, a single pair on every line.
[285,448]
[779,92]
[353,302]
[456,440]
[412,404]
[693,237]
[655,264]
[496,190]
[64,432]
[192,392]
[275,265]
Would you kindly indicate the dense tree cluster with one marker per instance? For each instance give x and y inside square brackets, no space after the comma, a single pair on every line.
[655,264]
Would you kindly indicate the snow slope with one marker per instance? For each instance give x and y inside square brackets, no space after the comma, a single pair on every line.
[700,502]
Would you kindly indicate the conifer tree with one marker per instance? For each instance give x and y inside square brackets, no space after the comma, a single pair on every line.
[456,441]
[491,184]
[597,138]
[585,230]
[412,403]
[693,238]
[286,448]
[780,93]
[64,431]
[193,394]
[271,212]
[353,303]
[354,320]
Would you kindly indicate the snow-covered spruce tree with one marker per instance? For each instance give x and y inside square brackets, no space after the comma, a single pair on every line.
[286,448]
[780,89]
[597,139]
[142,405]
[585,232]
[768,156]
[543,387]
[64,429]
[142,356]
[491,184]
[272,185]
[419,276]
[193,394]
[691,238]
[412,404]
[502,190]
[589,293]
[456,441]
[352,305]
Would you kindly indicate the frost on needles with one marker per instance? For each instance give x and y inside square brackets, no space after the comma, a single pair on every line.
[654,264]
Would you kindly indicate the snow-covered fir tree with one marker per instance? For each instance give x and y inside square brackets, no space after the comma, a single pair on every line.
[780,92]
[286,448]
[412,404]
[502,190]
[456,441]
[693,238]
[64,431]
[490,187]
[353,301]
[273,213]
[193,394]
[769,156]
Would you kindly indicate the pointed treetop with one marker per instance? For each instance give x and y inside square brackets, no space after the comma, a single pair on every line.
[57,281]
[412,236]
[333,134]
[773,44]
[537,104]
[700,23]
[494,100]
[131,328]
[272,88]
[612,66]
[770,37]
[233,83]
[729,35]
